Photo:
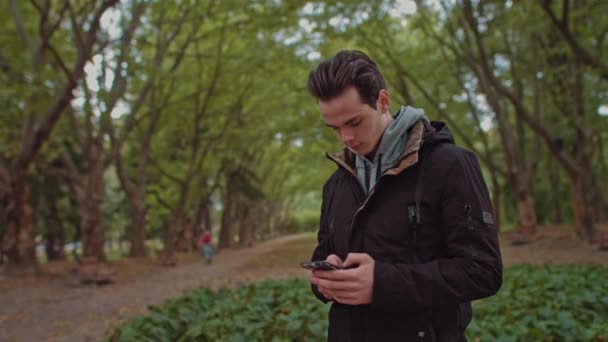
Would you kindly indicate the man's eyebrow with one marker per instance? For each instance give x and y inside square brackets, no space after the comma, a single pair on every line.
[344,124]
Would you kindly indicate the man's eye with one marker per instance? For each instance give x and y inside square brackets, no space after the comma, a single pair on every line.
[356,123]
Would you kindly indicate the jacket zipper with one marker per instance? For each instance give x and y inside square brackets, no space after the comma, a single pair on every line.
[411,213]
[330,238]
[369,195]
[361,206]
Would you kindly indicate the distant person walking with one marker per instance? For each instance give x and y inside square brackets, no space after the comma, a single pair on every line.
[204,243]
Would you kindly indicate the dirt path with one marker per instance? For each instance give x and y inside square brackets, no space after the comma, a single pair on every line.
[50,310]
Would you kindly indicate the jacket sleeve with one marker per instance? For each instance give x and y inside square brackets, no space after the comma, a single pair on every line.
[323,236]
[471,266]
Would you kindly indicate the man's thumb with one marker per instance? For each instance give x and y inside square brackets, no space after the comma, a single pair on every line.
[334,259]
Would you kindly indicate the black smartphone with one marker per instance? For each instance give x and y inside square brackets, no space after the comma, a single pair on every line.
[319,265]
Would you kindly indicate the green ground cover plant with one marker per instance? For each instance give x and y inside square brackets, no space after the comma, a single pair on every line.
[535,303]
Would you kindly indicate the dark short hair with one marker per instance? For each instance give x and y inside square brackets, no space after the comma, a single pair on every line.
[347,68]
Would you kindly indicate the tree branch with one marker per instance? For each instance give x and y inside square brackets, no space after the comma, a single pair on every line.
[165,173]
[76,129]
[160,200]
[21,27]
[47,29]
[78,35]
[520,109]
[5,183]
[562,26]
[32,144]
[60,62]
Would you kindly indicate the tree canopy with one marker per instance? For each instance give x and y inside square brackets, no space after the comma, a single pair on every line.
[141,120]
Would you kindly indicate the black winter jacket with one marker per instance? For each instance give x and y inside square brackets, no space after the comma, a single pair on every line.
[428,224]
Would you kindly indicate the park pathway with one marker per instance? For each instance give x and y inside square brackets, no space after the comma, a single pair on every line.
[53,311]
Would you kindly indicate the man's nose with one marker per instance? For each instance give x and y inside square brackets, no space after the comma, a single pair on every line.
[347,135]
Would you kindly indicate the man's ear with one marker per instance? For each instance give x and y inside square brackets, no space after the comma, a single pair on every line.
[384,101]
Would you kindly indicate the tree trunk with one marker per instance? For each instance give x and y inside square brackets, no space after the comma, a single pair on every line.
[137,236]
[602,183]
[187,238]
[277,214]
[91,228]
[55,236]
[519,175]
[136,200]
[584,191]
[558,215]
[496,193]
[601,205]
[136,191]
[90,204]
[526,214]
[246,233]
[519,171]
[226,228]
[18,241]
[173,228]
[583,208]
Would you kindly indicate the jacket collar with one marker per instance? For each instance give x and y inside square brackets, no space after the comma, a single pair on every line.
[409,156]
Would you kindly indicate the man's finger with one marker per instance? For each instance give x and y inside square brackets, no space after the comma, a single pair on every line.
[347,301]
[353,259]
[334,259]
[336,286]
[327,294]
[330,295]
[337,275]
[345,295]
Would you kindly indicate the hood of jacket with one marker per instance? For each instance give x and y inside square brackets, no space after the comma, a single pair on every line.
[406,136]
[390,147]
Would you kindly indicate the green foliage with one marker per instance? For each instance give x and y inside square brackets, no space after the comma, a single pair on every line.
[303,221]
[547,303]
[266,311]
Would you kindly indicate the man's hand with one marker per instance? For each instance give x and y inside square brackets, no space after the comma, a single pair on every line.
[333,259]
[349,286]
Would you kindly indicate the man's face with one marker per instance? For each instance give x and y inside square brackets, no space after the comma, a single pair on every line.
[357,125]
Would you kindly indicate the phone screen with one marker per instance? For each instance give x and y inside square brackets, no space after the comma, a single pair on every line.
[319,265]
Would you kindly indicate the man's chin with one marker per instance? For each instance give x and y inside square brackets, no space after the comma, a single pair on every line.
[359,150]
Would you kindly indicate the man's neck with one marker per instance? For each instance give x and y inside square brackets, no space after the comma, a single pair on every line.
[387,119]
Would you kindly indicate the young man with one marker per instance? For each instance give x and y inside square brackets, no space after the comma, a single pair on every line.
[406,214]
